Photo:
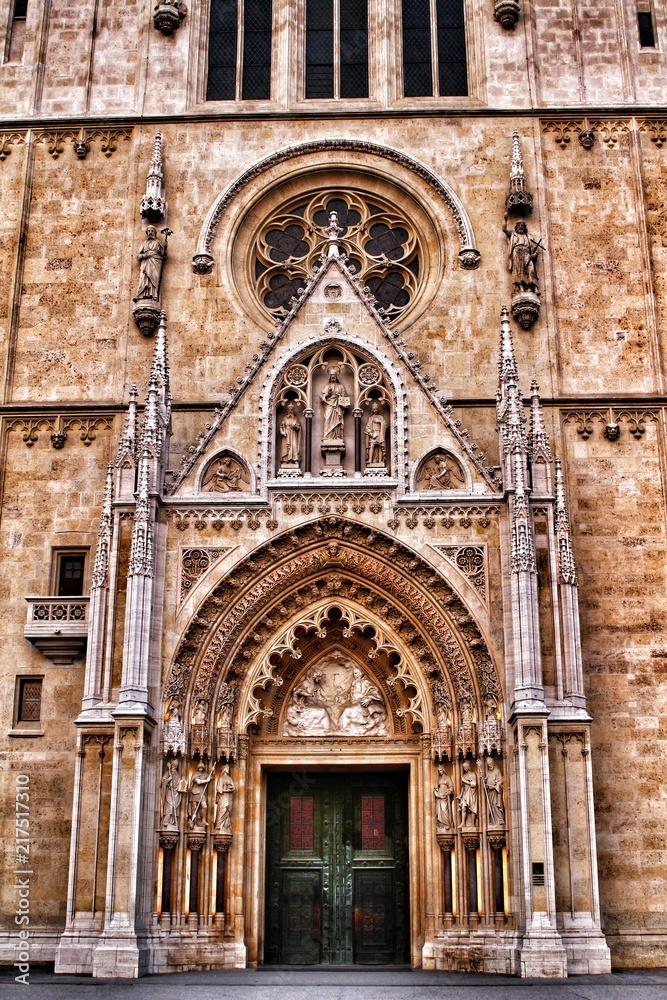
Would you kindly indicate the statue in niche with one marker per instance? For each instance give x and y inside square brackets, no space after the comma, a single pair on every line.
[197,805]
[227,475]
[335,698]
[376,433]
[494,788]
[290,432]
[468,798]
[199,714]
[174,731]
[226,702]
[440,472]
[335,401]
[521,257]
[171,796]
[151,258]
[444,802]
[224,797]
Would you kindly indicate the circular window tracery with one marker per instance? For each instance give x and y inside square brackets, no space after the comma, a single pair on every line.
[378,239]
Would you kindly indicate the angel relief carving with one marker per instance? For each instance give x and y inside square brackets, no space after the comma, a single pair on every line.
[335,697]
[226,474]
[440,471]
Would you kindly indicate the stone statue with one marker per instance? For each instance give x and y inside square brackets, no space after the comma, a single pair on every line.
[227,477]
[197,805]
[468,797]
[494,787]
[444,801]
[224,796]
[226,702]
[334,402]
[376,431]
[151,258]
[335,698]
[521,258]
[440,473]
[171,796]
[290,432]
[199,714]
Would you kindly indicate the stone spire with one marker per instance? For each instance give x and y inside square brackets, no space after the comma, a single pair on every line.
[105,531]
[157,413]
[153,205]
[510,412]
[141,551]
[127,446]
[540,449]
[566,567]
[519,200]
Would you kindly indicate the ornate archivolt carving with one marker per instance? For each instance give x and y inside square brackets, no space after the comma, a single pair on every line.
[315,620]
[300,569]
[469,255]
[197,561]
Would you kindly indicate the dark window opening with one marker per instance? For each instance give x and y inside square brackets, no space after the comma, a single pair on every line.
[450,54]
[353,48]
[16,33]
[20,10]
[319,48]
[30,700]
[222,51]
[301,823]
[223,42]
[646,32]
[257,16]
[417,62]
[70,574]
[538,872]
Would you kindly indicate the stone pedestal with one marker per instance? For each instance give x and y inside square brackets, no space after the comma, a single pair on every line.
[146,315]
[333,453]
[525,308]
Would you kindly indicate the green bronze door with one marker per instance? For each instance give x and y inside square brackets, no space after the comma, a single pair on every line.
[337,869]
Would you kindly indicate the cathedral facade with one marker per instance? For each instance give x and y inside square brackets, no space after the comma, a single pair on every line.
[334,484]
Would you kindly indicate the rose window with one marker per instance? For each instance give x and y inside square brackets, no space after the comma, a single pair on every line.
[379,242]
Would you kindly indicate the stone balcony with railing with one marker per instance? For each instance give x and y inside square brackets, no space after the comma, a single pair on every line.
[58,626]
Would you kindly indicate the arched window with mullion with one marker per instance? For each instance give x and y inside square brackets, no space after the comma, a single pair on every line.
[434,48]
[239,50]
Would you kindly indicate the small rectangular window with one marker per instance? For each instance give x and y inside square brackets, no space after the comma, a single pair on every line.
[222,41]
[372,823]
[417,61]
[16,33]
[29,699]
[336,49]
[301,823]
[353,48]
[646,33]
[70,574]
[538,872]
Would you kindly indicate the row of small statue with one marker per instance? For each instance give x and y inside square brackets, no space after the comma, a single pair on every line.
[176,787]
[450,807]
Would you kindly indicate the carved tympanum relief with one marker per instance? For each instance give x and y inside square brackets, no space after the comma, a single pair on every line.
[440,471]
[337,403]
[335,697]
[226,474]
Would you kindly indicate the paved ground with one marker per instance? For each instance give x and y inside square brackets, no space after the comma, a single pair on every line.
[339,984]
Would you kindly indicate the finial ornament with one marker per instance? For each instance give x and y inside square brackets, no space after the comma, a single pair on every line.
[128,439]
[153,206]
[105,531]
[519,200]
[333,231]
[566,565]
[539,439]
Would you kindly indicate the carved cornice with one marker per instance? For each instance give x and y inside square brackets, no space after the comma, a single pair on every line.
[609,130]
[58,426]
[81,138]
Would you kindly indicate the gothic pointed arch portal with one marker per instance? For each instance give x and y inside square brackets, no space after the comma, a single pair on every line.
[336,646]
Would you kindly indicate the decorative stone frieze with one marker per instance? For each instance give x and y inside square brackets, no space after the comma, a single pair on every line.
[81,139]
[58,427]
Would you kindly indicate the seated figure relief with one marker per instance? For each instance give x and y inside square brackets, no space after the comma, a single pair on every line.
[440,471]
[226,474]
[335,698]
